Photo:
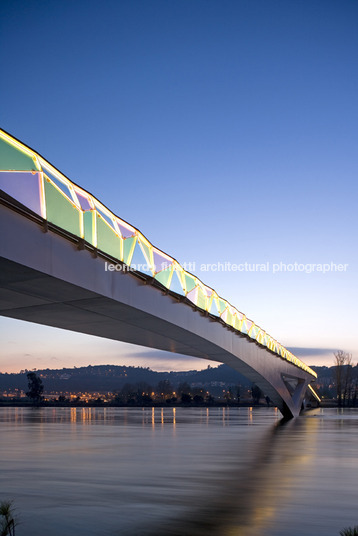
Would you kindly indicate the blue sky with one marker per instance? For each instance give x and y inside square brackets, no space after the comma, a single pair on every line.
[226,131]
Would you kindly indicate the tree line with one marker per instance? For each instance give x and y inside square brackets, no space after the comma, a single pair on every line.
[345,384]
[142,394]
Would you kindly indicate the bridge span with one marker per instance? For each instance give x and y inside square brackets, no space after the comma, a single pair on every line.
[57,242]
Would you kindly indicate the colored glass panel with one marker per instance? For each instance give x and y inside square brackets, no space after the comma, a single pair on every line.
[176,284]
[12,158]
[209,292]
[260,336]
[24,187]
[128,248]
[201,300]
[160,262]
[193,295]
[244,326]
[223,315]
[236,321]
[89,227]
[139,261]
[271,344]
[61,211]
[107,240]
[249,324]
[164,277]
[104,215]
[254,331]
[222,304]
[84,201]
[125,230]
[214,310]
[147,253]
[229,317]
[190,282]
[61,185]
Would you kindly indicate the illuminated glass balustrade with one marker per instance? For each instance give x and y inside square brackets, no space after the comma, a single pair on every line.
[36,184]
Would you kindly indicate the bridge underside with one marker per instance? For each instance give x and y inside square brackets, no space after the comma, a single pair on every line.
[47,279]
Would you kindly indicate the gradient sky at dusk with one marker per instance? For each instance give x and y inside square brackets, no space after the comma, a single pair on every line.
[225,130]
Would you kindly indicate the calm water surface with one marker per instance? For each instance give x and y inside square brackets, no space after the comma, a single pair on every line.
[184,472]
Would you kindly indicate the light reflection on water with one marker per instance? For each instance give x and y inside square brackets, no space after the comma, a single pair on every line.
[179,471]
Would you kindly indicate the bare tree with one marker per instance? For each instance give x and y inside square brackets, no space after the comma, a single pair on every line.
[347,392]
[343,365]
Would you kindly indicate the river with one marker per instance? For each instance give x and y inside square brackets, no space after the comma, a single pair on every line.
[179,471]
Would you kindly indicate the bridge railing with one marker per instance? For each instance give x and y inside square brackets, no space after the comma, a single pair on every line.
[35,183]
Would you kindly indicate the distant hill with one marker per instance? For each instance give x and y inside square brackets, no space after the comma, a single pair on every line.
[110,378]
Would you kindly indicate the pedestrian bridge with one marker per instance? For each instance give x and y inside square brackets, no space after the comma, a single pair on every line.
[67,261]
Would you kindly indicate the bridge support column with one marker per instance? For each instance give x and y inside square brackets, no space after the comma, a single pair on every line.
[292,405]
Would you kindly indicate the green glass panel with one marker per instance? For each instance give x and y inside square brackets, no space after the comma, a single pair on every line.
[222,305]
[259,337]
[229,318]
[61,211]
[128,248]
[236,322]
[190,282]
[88,223]
[107,240]
[201,300]
[164,277]
[12,158]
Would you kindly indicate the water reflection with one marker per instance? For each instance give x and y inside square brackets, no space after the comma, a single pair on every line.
[245,499]
[124,416]
[179,471]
